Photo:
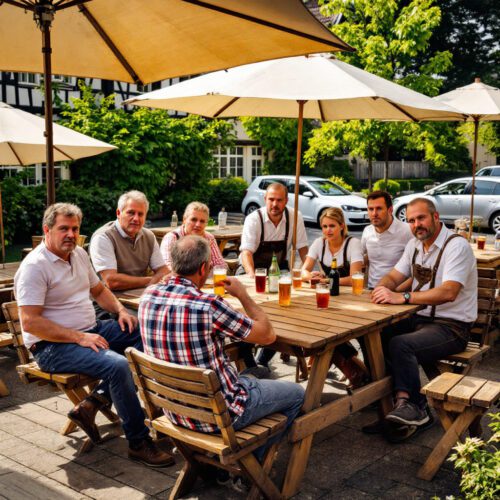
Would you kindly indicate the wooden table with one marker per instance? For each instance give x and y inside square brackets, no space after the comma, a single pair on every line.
[7,272]
[231,233]
[489,257]
[304,328]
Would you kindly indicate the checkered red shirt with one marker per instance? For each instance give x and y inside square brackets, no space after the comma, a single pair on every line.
[184,325]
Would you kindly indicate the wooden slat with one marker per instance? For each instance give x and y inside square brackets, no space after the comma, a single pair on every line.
[487,283]
[180,396]
[487,394]
[465,390]
[438,387]
[486,293]
[470,355]
[187,385]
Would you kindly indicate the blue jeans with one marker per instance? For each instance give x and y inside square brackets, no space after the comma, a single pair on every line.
[266,397]
[108,365]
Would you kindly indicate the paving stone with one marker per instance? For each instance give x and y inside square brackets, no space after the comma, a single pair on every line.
[369,483]
[16,425]
[407,492]
[8,466]
[41,416]
[15,486]
[61,490]
[39,460]
[14,445]
[347,494]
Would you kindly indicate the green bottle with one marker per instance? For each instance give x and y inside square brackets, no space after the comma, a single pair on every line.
[274,275]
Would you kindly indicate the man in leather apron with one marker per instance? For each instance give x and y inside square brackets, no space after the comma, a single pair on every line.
[268,231]
[444,278]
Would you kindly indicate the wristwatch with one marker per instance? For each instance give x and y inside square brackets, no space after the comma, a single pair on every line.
[407,297]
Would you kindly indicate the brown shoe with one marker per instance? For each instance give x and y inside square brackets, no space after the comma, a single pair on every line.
[353,368]
[149,454]
[84,414]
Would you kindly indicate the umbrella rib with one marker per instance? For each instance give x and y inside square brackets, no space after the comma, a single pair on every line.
[69,4]
[63,153]
[321,112]
[91,19]
[399,108]
[221,110]
[24,5]
[15,154]
[279,27]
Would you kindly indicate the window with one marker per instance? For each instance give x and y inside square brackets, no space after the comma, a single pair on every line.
[256,161]
[264,183]
[230,161]
[68,80]
[481,187]
[302,188]
[328,188]
[451,188]
[27,78]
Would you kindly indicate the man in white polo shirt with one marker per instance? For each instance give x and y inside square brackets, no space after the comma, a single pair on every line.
[384,240]
[444,278]
[53,286]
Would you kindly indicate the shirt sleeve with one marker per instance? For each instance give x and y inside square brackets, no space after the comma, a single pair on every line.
[102,253]
[31,285]
[156,261]
[458,261]
[315,249]
[250,237]
[404,263]
[228,321]
[216,257]
[354,252]
[165,249]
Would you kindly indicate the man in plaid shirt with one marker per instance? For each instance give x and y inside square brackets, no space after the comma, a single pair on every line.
[182,324]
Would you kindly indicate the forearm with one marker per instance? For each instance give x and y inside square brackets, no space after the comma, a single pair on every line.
[247,262]
[159,274]
[48,330]
[388,281]
[263,332]
[108,301]
[434,296]
[120,281]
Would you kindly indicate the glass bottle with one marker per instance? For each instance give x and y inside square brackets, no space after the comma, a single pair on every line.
[273,275]
[334,278]
[174,220]
[222,218]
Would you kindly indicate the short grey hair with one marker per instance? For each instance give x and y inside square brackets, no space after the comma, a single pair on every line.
[430,204]
[65,209]
[196,206]
[134,195]
[188,254]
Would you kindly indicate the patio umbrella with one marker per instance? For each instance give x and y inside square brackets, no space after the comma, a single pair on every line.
[146,41]
[319,87]
[479,102]
[22,142]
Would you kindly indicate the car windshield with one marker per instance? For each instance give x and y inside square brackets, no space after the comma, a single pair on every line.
[328,188]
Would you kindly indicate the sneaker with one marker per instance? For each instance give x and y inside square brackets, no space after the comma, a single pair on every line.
[237,483]
[148,453]
[257,372]
[408,413]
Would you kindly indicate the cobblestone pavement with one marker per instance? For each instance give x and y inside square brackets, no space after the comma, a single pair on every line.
[37,462]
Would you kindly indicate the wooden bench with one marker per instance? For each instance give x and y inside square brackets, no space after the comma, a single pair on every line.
[76,386]
[459,401]
[6,295]
[195,393]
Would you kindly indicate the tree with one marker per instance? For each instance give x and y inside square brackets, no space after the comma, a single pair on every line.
[169,159]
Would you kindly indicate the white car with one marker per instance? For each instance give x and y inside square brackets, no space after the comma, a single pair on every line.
[315,195]
[452,200]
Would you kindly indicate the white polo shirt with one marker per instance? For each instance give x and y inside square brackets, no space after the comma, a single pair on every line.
[61,287]
[250,239]
[103,255]
[457,264]
[384,249]
[354,253]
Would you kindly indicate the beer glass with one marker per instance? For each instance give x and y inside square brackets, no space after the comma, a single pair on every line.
[315,281]
[322,295]
[260,280]
[220,274]
[285,290]
[357,283]
[481,241]
[297,278]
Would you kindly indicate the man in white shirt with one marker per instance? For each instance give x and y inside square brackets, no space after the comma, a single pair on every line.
[53,287]
[123,251]
[269,230]
[444,278]
[384,240]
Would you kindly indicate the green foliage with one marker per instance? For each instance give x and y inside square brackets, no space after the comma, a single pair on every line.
[390,186]
[329,167]
[488,135]
[277,136]
[341,182]
[416,185]
[479,462]
[169,159]
[227,192]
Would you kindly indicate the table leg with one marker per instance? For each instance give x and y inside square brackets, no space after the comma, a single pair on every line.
[377,365]
[300,451]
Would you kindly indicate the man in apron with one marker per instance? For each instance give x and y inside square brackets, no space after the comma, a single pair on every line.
[268,231]
[444,278]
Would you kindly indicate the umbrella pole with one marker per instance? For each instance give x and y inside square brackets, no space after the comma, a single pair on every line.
[473,188]
[1,230]
[297,181]
[44,15]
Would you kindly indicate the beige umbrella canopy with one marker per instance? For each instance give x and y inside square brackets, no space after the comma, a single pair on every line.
[22,142]
[479,102]
[319,87]
[145,41]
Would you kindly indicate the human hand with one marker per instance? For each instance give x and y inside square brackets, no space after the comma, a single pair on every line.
[125,319]
[93,340]
[382,295]
[234,287]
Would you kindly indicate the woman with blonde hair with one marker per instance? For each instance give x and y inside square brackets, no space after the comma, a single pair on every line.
[335,243]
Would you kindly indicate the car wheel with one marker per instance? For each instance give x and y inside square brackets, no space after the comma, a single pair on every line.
[495,222]
[401,214]
[252,207]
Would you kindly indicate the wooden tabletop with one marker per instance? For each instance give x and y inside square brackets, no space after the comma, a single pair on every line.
[229,230]
[7,272]
[488,256]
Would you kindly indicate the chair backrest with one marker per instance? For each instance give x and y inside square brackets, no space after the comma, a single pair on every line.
[486,307]
[11,313]
[189,392]
[235,219]
[6,295]
[36,240]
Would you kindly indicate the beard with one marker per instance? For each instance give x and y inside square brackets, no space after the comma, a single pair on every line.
[425,233]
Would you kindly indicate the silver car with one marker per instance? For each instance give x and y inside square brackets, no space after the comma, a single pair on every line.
[315,195]
[452,200]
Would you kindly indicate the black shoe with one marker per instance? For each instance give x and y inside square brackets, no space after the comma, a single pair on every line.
[396,433]
[408,413]
[84,414]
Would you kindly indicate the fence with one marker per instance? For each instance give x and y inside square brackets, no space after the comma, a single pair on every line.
[397,170]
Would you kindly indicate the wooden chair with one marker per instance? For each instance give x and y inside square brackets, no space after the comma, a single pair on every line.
[76,386]
[459,402]
[195,393]
[37,239]
[6,295]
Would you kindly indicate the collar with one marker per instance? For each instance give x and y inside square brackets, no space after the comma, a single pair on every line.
[392,229]
[123,234]
[180,280]
[266,217]
[438,242]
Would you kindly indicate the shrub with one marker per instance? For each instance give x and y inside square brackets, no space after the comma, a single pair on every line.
[341,182]
[227,192]
[392,187]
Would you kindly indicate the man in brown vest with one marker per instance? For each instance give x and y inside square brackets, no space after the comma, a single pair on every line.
[123,251]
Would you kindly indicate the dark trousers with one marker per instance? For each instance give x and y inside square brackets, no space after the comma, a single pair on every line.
[420,341]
